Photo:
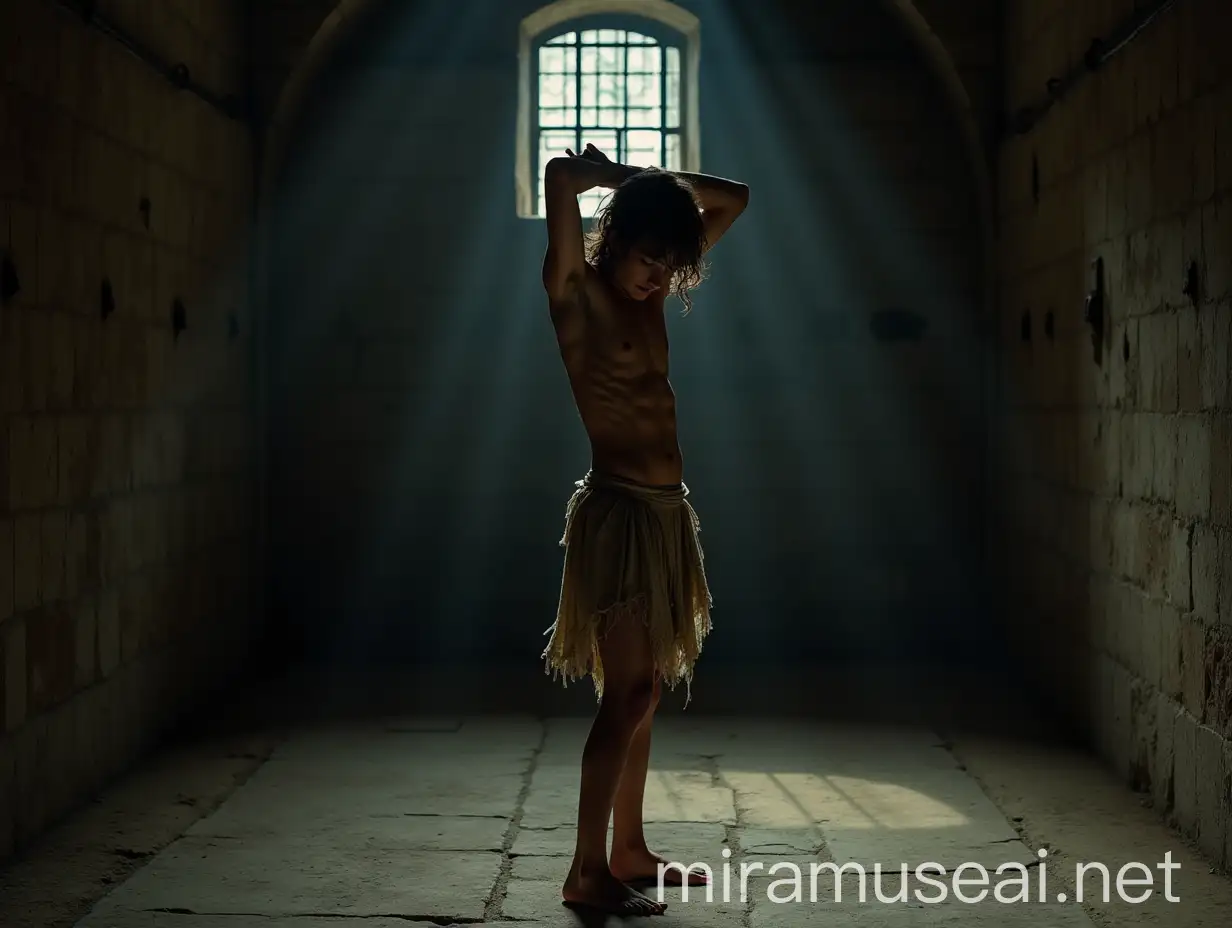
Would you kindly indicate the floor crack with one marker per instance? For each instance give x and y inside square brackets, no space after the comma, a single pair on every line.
[443,920]
[492,908]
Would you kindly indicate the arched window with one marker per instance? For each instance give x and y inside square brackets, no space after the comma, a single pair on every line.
[619,73]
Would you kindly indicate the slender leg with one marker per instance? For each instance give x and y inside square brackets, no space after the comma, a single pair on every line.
[628,837]
[627,693]
[632,860]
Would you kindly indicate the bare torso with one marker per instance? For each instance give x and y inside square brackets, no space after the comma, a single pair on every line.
[618,370]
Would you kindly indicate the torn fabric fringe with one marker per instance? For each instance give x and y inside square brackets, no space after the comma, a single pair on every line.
[632,551]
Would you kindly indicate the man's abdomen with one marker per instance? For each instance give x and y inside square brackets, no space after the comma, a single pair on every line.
[647,452]
[632,429]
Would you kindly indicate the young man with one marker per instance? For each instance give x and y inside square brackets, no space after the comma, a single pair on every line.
[634,603]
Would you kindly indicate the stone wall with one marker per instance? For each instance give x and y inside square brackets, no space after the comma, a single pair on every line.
[126,414]
[1117,439]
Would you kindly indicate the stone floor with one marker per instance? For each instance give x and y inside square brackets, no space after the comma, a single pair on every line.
[469,820]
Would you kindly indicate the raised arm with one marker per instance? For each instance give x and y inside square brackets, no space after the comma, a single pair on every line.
[564,265]
[722,202]
[566,177]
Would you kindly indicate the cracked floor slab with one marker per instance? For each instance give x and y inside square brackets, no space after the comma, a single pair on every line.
[473,821]
[290,877]
[178,920]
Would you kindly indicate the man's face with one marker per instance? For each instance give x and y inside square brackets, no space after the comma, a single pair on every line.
[640,275]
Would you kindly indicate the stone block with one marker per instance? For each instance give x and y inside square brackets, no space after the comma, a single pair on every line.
[1164,428]
[1173,164]
[73,460]
[16,689]
[89,373]
[1163,395]
[51,644]
[1185,777]
[1149,646]
[31,766]
[84,267]
[88,730]
[1221,470]
[1221,112]
[115,180]
[1193,466]
[80,554]
[1227,766]
[85,628]
[1215,324]
[1208,548]
[1193,666]
[53,540]
[1118,199]
[1148,93]
[108,750]
[1142,721]
[1120,720]
[7,561]
[33,462]
[134,631]
[69,778]
[12,380]
[1137,455]
[1090,453]
[23,251]
[115,539]
[27,561]
[1152,545]
[62,370]
[1224,579]
[1212,799]
[1177,587]
[1189,363]
[1219,678]
[37,347]
[51,258]
[1217,240]
[1095,201]
[1163,757]
[1171,655]
[8,799]
[1124,608]
[112,468]
[137,519]
[1139,190]
[109,647]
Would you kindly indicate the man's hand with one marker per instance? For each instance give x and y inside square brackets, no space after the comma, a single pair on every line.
[609,175]
[591,154]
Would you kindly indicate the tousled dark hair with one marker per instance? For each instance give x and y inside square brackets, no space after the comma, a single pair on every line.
[658,212]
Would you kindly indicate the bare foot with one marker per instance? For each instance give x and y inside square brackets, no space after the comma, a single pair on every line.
[642,866]
[603,892]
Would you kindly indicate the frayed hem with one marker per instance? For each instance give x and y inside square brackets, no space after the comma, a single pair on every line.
[573,651]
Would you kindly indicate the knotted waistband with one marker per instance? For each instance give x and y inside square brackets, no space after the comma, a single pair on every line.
[669,494]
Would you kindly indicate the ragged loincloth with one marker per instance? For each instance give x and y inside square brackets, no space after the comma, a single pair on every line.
[632,551]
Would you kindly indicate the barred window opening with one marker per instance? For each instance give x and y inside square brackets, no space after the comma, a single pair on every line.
[615,88]
[626,84]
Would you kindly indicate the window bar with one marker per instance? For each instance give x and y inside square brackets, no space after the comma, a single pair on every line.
[622,138]
[536,139]
[663,104]
[577,92]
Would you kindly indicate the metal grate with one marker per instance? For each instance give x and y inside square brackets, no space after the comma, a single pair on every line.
[619,89]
